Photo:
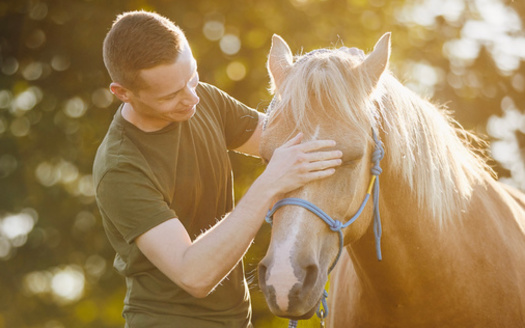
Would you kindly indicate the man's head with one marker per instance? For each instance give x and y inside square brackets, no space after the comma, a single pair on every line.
[153,69]
[140,40]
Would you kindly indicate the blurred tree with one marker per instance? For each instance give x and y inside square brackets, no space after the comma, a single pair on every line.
[56,265]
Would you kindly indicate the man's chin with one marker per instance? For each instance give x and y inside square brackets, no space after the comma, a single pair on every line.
[184,115]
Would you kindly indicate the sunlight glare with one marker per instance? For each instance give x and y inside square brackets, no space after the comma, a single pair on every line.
[60,63]
[20,126]
[498,15]
[85,186]
[46,174]
[5,247]
[95,266]
[6,98]
[33,71]
[424,77]
[67,284]
[36,39]
[18,225]
[102,98]
[424,13]
[75,107]
[213,30]
[505,149]
[230,44]
[38,282]
[10,66]
[236,71]
[28,99]
[38,10]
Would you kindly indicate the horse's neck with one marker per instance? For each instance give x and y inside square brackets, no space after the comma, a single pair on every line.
[421,259]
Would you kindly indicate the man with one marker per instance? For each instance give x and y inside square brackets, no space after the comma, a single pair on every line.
[164,184]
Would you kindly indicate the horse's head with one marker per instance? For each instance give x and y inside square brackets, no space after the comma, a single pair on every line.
[326,94]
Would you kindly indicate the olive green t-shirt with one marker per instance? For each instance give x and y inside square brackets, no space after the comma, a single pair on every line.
[181,171]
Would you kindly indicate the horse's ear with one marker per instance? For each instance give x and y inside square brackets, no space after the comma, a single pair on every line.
[280,60]
[377,60]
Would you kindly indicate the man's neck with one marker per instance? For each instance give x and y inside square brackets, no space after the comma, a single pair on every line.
[145,124]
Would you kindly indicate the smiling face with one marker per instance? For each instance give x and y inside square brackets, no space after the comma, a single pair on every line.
[168,93]
[321,95]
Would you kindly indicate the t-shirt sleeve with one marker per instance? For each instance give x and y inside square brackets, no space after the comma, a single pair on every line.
[239,120]
[131,202]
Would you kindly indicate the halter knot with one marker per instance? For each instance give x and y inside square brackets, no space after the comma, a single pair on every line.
[377,155]
[336,225]
[376,170]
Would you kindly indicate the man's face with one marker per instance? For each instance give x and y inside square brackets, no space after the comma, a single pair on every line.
[169,92]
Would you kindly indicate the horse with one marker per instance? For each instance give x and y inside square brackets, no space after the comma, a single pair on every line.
[451,237]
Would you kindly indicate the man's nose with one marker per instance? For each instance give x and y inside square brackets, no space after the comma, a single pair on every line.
[190,97]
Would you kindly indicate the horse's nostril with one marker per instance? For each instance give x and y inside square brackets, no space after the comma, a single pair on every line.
[311,275]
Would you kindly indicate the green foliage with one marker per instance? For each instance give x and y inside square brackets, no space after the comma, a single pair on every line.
[56,265]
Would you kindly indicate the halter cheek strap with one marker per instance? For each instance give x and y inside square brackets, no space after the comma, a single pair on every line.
[336,225]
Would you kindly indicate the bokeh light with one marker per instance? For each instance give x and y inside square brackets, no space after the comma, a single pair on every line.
[75,107]
[55,107]
[102,98]
[14,229]
[213,30]
[236,71]
[10,66]
[67,284]
[230,44]
[60,63]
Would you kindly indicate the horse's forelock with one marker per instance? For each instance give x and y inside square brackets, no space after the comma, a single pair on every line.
[326,82]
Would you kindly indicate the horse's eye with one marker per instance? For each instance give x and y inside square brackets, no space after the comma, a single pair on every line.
[351,163]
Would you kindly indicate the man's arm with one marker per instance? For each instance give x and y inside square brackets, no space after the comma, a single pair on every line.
[199,266]
[251,146]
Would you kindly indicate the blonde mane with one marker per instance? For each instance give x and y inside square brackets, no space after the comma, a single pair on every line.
[323,80]
[423,145]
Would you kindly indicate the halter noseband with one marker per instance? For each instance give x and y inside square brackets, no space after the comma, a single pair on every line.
[336,225]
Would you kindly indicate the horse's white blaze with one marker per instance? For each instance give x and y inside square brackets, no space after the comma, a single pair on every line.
[281,274]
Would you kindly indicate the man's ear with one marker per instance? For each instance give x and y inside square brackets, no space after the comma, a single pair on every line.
[120,91]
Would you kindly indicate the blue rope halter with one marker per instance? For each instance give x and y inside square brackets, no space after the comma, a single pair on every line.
[336,225]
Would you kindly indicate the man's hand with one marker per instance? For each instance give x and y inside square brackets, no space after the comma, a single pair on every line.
[294,164]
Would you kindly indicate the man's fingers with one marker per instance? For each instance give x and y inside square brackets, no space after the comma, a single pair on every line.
[323,165]
[324,155]
[294,141]
[315,175]
[316,145]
